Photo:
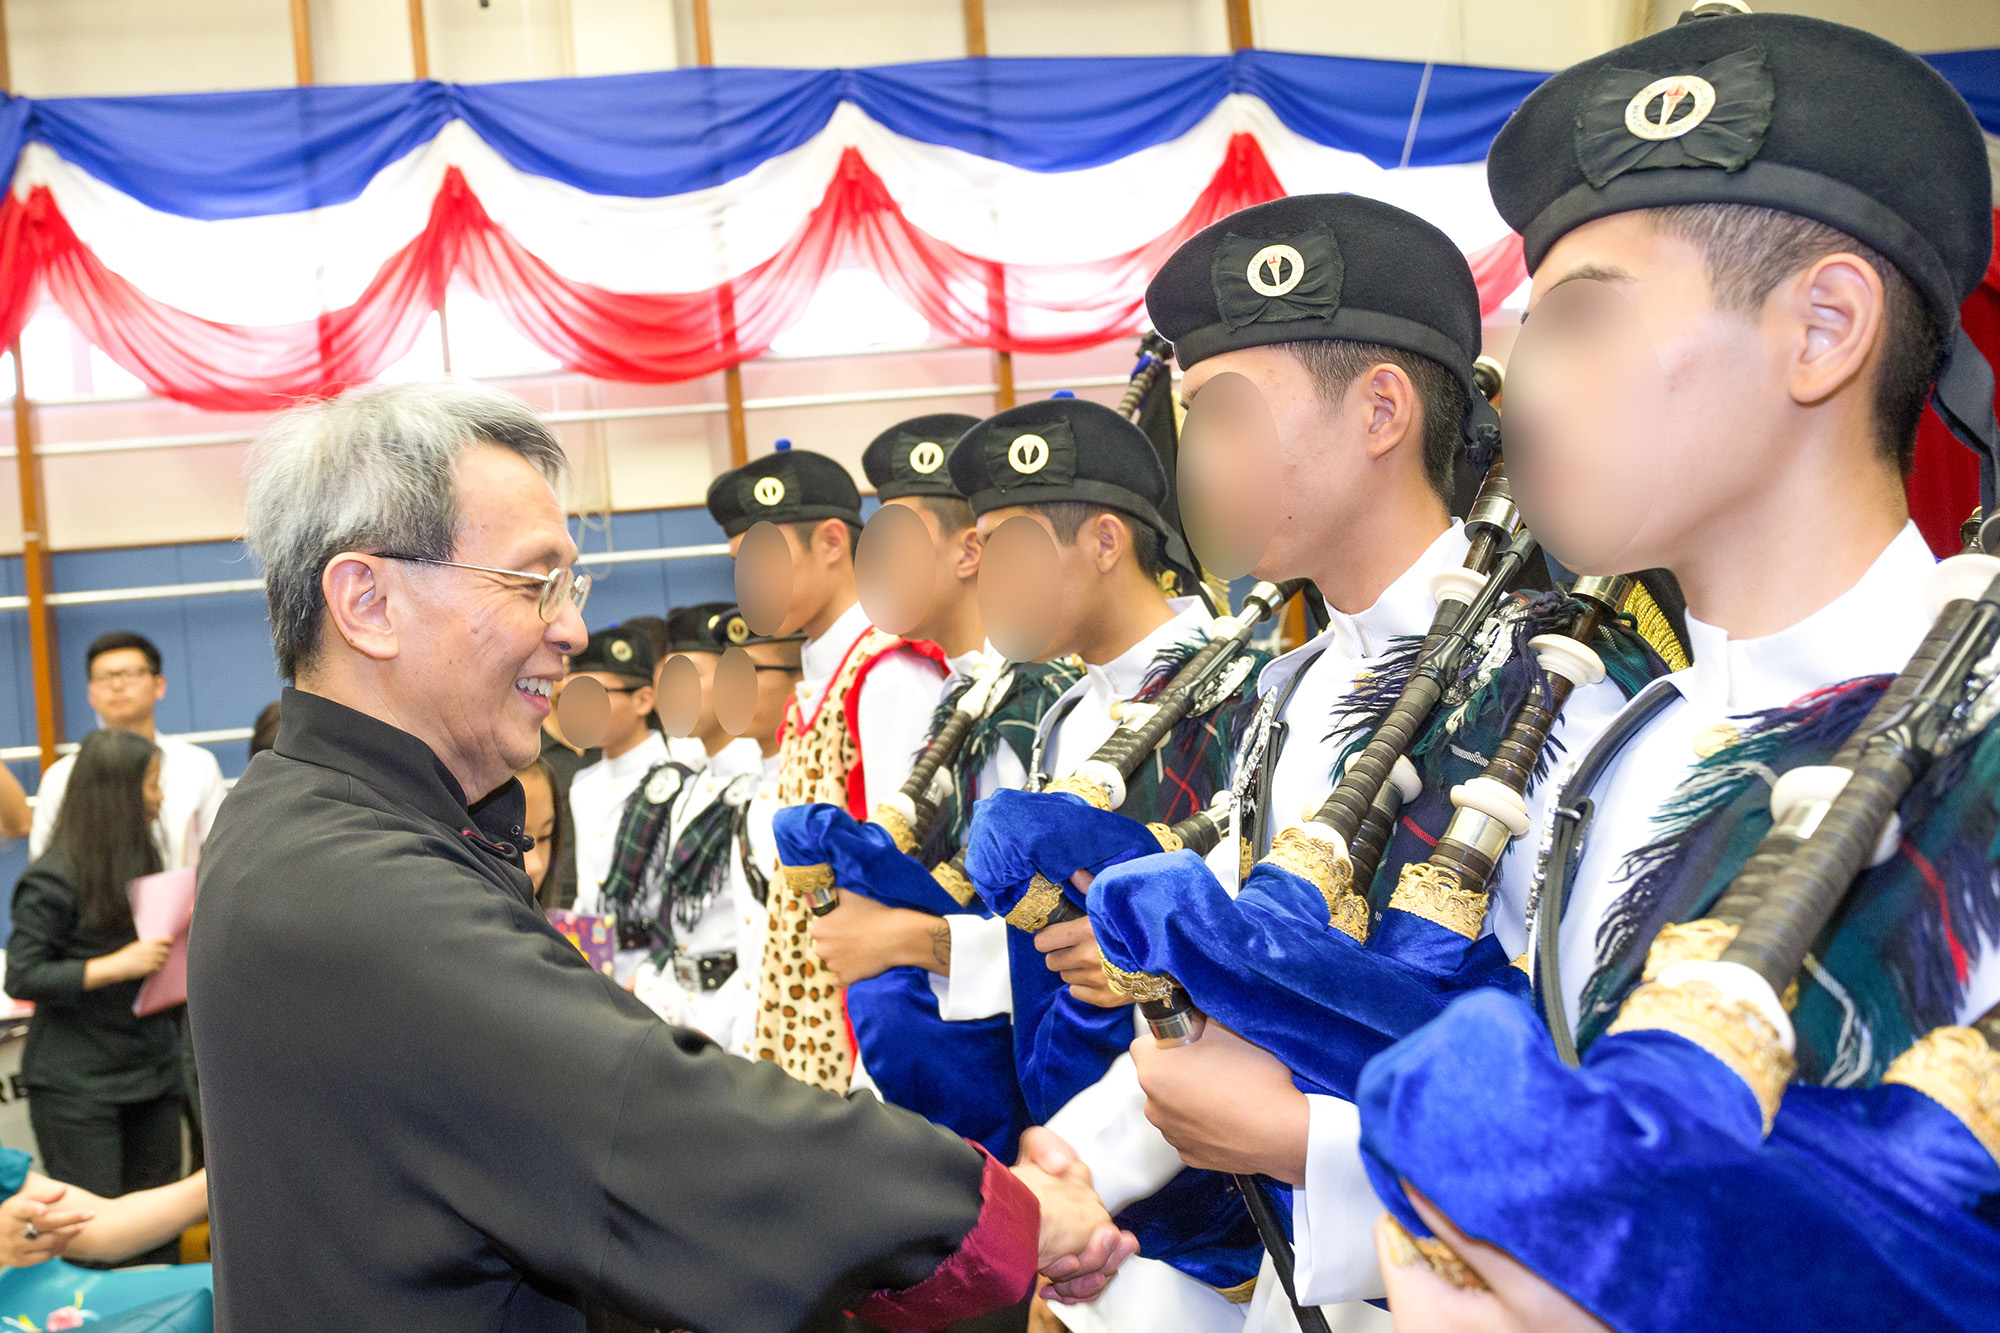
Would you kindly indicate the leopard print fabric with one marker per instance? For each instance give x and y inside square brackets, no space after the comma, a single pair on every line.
[801,1025]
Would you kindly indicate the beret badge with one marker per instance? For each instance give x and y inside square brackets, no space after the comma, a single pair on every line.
[926,457]
[768,491]
[1637,120]
[737,630]
[621,651]
[1272,279]
[1028,454]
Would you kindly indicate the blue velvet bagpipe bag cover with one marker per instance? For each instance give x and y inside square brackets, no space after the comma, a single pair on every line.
[1642,1186]
[1196,1222]
[959,1074]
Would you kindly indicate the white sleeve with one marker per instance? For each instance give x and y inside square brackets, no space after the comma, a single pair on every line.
[1333,1217]
[980,984]
[1106,1123]
[897,699]
[48,800]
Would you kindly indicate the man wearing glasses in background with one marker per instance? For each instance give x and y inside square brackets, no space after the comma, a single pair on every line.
[622,661]
[125,686]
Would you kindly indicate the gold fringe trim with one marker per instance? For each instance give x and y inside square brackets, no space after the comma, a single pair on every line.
[1140,986]
[1246,858]
[953,882]
[1701,941]
[808,880]
[1730,1030]
[1239,1294]
[890,818]
[1091,793]
[1437,894]
[1651,622]
[1521,962]
[1032,912]
[1956,1068]
[1169,840]
[1314,861]
[1408,1251]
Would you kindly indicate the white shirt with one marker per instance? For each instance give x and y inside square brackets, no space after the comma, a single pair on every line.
[597,798]
[897,698]
[191,788]
[1870,629]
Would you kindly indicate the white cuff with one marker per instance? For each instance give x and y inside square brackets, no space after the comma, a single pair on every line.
[1106,1124]
[1334,1216]
[979,985]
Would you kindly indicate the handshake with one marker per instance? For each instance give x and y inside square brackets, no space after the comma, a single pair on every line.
[1081,1248]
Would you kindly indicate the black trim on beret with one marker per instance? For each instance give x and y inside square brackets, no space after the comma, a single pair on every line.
[908,458]
[691,629]
[617,651]
[789,486]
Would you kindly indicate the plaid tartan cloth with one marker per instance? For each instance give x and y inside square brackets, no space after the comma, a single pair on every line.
[642,828]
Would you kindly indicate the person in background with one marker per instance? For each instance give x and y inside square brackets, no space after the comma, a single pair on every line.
[264,733]
[683,749]
[546,818]
[107,1088]
[125,687]
[43,1219]
[15,817]
[622,662]
[564,762]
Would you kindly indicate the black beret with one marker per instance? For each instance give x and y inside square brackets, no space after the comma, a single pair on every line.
[1321,268]
[728,629]
[1064,449]
[908,458]
[1776,111]
[789,486]
[618,651]
[691,629]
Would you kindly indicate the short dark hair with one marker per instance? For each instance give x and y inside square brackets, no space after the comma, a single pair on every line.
[1749,250]
[804,529]
[117,639]
[953,513]
[264,734]
[1334,365]
[1067,517]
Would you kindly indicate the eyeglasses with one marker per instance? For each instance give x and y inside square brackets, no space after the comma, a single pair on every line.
[121,677]
[558,586]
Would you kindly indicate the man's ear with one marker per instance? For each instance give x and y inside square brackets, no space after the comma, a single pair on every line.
[643,699]
[963,554]
[1105,538]
[1388,403]
[1837,308]
[357,604]
[830,542]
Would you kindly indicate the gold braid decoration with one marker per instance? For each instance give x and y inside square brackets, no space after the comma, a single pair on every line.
[1140,986]
[808,880]
[1091,793]
[1436,893]
[1169,840]
[1732,1031]
[1957,1069]
[1703,941]
[1246,858]
[1521,962]
[1314,861]
[953,882]
[1651,622]
[1239,1294]
[899,828]
[1407,1251]
[1032,912]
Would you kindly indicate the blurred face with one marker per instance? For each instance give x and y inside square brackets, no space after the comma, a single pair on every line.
[684,694]
[474,664]
[775,678]
[628,706]
[123,688]
[1320,458]
[540,824]
[149,790]
[806,577]
[1641,414]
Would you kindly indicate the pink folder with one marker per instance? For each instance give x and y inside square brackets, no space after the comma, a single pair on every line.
[163,904]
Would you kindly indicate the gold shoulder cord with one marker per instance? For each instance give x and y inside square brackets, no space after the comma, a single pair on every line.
[1651,622]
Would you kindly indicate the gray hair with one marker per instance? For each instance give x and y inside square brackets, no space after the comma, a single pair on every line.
[370,471]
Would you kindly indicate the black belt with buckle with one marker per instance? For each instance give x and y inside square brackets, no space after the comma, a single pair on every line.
[705,973]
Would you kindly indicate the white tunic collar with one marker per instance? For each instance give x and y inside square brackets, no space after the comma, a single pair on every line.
[821,657]
[1870,628]
[1121,677]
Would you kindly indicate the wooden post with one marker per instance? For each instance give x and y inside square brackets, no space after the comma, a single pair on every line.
[34,528]
[975,27]
[1003,376]
[732,376]
[1240,38]
[420,46]
[302,41]
[739,428]
[35,562]
[704,37]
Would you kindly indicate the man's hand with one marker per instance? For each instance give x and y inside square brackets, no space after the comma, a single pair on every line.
[35,1206]
[1225,1104]
[860,938]
[1070,950]
[1081,1247]
[1513,1299]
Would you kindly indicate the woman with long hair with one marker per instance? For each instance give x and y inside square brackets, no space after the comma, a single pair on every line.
[105,1094]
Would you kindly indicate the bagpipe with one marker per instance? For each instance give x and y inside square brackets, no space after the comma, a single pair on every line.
[1679,1176]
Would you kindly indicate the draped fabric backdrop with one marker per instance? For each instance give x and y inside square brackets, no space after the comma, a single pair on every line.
[241,250]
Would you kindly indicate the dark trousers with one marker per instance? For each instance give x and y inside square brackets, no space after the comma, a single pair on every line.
[110,1149]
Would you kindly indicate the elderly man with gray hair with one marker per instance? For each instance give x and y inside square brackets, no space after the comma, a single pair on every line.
[425,1111]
